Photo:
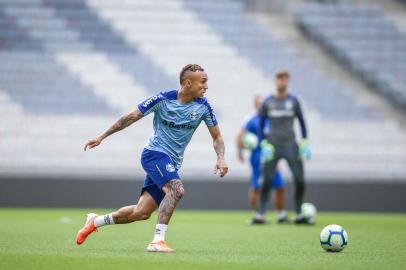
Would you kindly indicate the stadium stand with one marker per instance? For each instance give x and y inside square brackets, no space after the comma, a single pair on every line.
[253,42]
[100,59]
[31,76]
[362,38]
[92,29]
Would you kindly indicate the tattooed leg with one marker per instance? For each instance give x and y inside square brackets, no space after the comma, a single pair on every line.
[173,193]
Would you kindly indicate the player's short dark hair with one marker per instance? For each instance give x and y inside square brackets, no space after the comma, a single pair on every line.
[281,73]
[189,68]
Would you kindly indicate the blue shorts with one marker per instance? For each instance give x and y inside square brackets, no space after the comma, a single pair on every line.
[160,170]
[256,181]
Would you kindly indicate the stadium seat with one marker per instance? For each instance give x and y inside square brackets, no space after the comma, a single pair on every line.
[362,38]
[71,67]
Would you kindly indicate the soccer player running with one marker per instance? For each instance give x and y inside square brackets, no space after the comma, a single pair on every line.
[177,114]
[282,109]
[278,185]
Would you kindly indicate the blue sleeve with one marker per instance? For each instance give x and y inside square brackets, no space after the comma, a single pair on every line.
[150,104]
[248,126]
[209,117]
[302,122]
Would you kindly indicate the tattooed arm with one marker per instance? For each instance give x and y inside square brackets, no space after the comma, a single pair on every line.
[122,123]
[239,143]
[219,147]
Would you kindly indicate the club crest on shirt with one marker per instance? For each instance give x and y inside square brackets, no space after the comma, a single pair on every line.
[288,104]
[170,167]
[193,115]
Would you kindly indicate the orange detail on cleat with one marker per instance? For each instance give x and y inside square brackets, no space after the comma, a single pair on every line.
[160,246]
[86,231]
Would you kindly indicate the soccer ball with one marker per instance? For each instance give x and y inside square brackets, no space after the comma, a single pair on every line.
[308,210]
[250,141]
[333,238]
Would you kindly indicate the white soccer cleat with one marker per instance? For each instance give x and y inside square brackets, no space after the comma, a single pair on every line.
[160,246]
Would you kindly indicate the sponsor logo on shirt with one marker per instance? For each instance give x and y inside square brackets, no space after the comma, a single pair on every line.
[174,125]
[150,100]
[281,113]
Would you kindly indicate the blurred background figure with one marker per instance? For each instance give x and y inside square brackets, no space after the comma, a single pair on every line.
[251,128]
[279,142]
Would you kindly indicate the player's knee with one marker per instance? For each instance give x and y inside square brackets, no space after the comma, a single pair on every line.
[145,216]
[179,193]
[280,191]
[139,215]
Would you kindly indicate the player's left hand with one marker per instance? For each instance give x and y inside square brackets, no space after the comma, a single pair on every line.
[92,143]
[221,166]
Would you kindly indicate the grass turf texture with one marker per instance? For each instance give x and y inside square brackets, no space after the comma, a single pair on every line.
[44,239]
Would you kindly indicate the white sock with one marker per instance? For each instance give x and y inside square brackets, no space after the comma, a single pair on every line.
[104,220]
[282,214]
[160,230]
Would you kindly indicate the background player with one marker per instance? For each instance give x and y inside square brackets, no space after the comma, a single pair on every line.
[280,143]
[278,185]
[177,114]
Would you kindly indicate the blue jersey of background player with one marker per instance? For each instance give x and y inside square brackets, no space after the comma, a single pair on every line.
[253,126]
[177,114]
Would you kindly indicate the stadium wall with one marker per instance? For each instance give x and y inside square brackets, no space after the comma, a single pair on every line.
[229,195]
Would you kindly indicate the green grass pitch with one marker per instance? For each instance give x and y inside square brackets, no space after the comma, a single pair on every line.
[44,239]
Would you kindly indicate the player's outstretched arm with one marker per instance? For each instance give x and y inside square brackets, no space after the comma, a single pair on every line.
[219,147]
[239,143]
[122,123]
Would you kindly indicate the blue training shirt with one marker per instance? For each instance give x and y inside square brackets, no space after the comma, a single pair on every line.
[175,122]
